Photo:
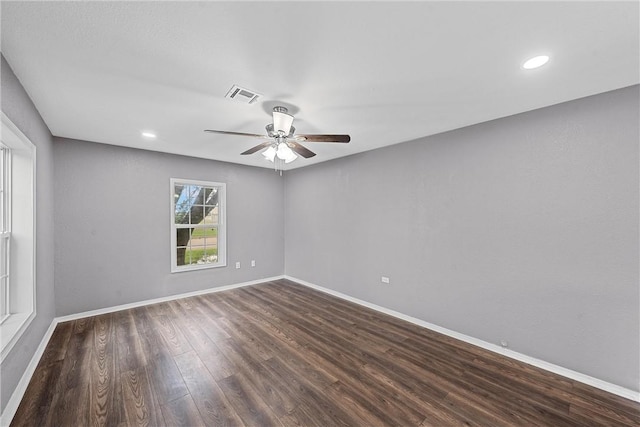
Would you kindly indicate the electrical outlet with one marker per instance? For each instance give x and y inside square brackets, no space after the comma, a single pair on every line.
[384,279]
[238,264]
[253,263]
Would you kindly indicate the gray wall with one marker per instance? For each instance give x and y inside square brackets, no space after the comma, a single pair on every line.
[112,219]
[17,105]
[523,229]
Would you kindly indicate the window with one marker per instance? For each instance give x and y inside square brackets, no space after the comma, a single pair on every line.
[5,230]
[198,230]
[17,234]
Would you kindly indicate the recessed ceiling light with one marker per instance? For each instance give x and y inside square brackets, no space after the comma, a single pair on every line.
[535,62]
[148,134]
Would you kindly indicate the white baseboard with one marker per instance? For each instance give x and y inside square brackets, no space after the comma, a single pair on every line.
[21,388]
[162,299]
[577,376]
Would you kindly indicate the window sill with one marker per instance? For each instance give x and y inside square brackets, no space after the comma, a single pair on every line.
[12,329]
[197,267]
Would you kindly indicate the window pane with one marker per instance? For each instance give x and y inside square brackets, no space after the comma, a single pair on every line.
[3,209]
[197,214]
[183,235]
[4,278]
[202,255]
[182,203]
[211,216]
[181,256]
[211,196]
[211,236]
[196,244]
[195,254]
[4,296]
[4,228]
[198,194]
[4,255]
[210,256]
[201,233]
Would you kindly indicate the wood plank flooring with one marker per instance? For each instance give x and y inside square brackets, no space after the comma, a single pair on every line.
[282,354]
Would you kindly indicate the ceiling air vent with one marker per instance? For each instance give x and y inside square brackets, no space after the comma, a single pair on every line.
[243,95]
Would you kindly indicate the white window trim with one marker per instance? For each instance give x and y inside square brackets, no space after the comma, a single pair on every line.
[222,226]
[18,321]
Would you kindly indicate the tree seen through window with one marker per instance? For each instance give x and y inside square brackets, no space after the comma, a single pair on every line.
[196,219]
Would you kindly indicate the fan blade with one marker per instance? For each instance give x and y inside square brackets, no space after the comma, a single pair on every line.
[325,138]
[257,148]
[304,152]
[224,132]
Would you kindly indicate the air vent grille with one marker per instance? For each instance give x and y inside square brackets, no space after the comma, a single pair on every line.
[243,95]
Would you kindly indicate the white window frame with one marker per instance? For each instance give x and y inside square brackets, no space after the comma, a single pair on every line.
[5,232]
[222,226]
[22,259]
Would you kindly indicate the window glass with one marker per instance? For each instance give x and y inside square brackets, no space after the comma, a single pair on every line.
[198,235]
[5,235]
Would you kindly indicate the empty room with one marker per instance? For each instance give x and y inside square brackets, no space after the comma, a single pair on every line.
[320,213]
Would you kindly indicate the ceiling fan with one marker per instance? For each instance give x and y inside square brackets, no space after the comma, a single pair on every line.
[283,143]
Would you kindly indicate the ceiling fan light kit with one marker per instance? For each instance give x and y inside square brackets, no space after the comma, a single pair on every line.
[281,151]
[285,143]
[282,121]
[285,153]
[270,154]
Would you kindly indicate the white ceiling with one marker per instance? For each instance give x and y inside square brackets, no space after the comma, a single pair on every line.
[382,72]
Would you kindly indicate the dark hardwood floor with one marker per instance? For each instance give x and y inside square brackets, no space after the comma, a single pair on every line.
[282,354]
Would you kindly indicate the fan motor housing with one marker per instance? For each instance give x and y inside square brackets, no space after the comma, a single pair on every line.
[274,134]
